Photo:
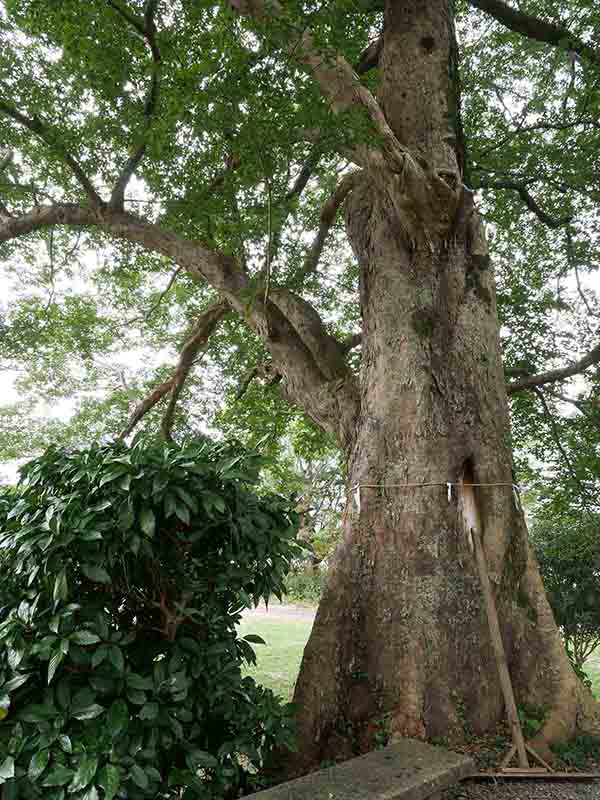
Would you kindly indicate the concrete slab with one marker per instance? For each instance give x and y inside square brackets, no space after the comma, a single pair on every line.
[406,770]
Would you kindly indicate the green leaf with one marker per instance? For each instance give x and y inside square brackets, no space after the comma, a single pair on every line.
[37,713]
[116,658]
[14,656]
[139,777]
[91,793]
[54,663]
[182,512]
[188,499]
[109,780]
[84,637]
[135,697]
[148,521]
[95,573]
[99,655]
[63,693]
[7,769]
[126,518]
[60,587]
[203,759]
[65,743]
[117,717]
[91,536]
[38,764]
[15,682]
[254,638]
[111,476]
[149,711]
[136,681]
[89,712]
[58,776]
[85,773]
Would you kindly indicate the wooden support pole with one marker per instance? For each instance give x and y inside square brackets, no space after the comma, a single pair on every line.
[499,652]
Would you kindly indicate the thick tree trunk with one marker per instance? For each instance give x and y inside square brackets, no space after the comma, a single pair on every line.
[401,636]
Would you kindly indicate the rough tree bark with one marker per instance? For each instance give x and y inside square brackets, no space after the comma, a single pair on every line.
[400,637]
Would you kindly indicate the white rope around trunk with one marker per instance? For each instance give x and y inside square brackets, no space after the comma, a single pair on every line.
[448,484]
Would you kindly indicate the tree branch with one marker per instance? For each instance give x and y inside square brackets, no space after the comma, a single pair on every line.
[264,370]
[147,30]
[311,362]
[200,336]
[51,137]
[369,58]
[535,28]
[338,82]
[529,201]
[161,297]
[305,173]
[202,331]
[554,375]
[326,219]
[307,323]
[147,405]
[351,342]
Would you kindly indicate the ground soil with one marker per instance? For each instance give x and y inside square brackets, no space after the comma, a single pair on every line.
[523,790]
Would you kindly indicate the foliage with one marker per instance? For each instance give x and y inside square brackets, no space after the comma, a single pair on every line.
[120,669]
[305,585]
[223,151]
[531,720]
[579,752]
[567,546]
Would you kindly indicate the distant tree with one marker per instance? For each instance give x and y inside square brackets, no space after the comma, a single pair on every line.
[568,551]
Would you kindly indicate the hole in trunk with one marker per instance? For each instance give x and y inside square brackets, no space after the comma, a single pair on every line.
[468,505]
[428,44]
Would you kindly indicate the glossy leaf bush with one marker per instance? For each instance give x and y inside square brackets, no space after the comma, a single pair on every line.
[124,572]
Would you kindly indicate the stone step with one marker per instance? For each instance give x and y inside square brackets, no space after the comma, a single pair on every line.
[405,770]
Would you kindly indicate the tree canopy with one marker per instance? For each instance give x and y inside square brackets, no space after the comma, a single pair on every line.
[171,180]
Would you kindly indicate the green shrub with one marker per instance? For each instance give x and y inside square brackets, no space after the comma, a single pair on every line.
[305,586]
[578,752]
[120,668]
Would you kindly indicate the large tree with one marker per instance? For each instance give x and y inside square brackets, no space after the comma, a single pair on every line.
[208,138]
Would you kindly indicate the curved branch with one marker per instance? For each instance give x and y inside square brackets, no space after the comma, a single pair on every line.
[327,218]
[534,28]
[200,336]
[202,331]
[147,405]
[554,375]
[369,58]
[529,201]
[147,30]
[51,137]
[159,300]
[339,83]
[300,347]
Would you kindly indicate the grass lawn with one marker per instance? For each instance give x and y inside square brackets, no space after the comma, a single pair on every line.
[592,667]
[278,662]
